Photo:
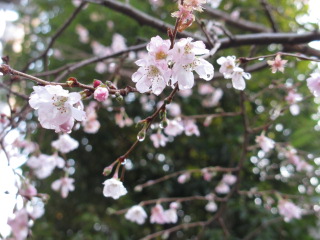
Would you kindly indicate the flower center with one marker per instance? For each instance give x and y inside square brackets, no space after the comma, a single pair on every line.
[160,55]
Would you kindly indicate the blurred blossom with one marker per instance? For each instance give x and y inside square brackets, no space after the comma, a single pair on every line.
[190,128]
[157,215]
[65,143]
[174,128]
[229,179]
[136,214]
[222,188]
[91,124]
[158,139]
[211,206]
[289,210]
[265,143]
[19,224]
[183,178]
[63,185]
[83,33]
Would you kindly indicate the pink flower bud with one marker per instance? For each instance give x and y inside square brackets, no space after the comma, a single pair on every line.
[101,94]
[96,83]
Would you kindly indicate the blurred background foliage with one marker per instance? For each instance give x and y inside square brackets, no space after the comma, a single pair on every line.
[86,214]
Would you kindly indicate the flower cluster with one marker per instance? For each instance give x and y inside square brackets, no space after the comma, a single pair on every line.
[289,210]
[231,70]
[185,13]
[164,66]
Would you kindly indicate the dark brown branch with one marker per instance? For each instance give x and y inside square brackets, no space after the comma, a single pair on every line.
[238,23]
[268,11]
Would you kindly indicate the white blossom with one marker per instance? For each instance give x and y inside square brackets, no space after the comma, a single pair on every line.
[114,188]
[136,214]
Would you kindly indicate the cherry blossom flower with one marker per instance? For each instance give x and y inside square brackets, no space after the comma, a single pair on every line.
[158,139]
[28,190]
[57,108]
[43,165]
[229,179]
[289,210]
[205,89]
[158,49]
[183,178]
[118,43]
[63,185]
[190,128]
[277,64]
[185,15]
[265,143]
[114,188]
[122,118]
[213,99]
[238,76]
[222,188]
[313,84]
[211,206]
[171,215]
[83,33]
[65,143]
[174,128]
[292,98]
[157,215]
[184,55]
[101,94]
[174,109]
[91,124]
[150,76]
[154,72]
[207,175]
[19,224]
[136,214]
[227,65]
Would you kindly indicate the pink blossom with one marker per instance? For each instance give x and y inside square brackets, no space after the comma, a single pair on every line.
[122,118]
[278,64]
[64,185]
[43,165]
[313,83]
[174,128]
[222,188]
[185,93]
[57,108]
[65,143]
[183,178]
[27,190]
[265,143]
[213,99]
[91,124]
[190,128]
[229,179]
[157,215]
[101,94]
[158,139]
[136,214]
[205,89]
[289,210]
[114,188]
[185,15]
[174,109]
[154,72]
[292,98]
[207,175]
[19,224]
